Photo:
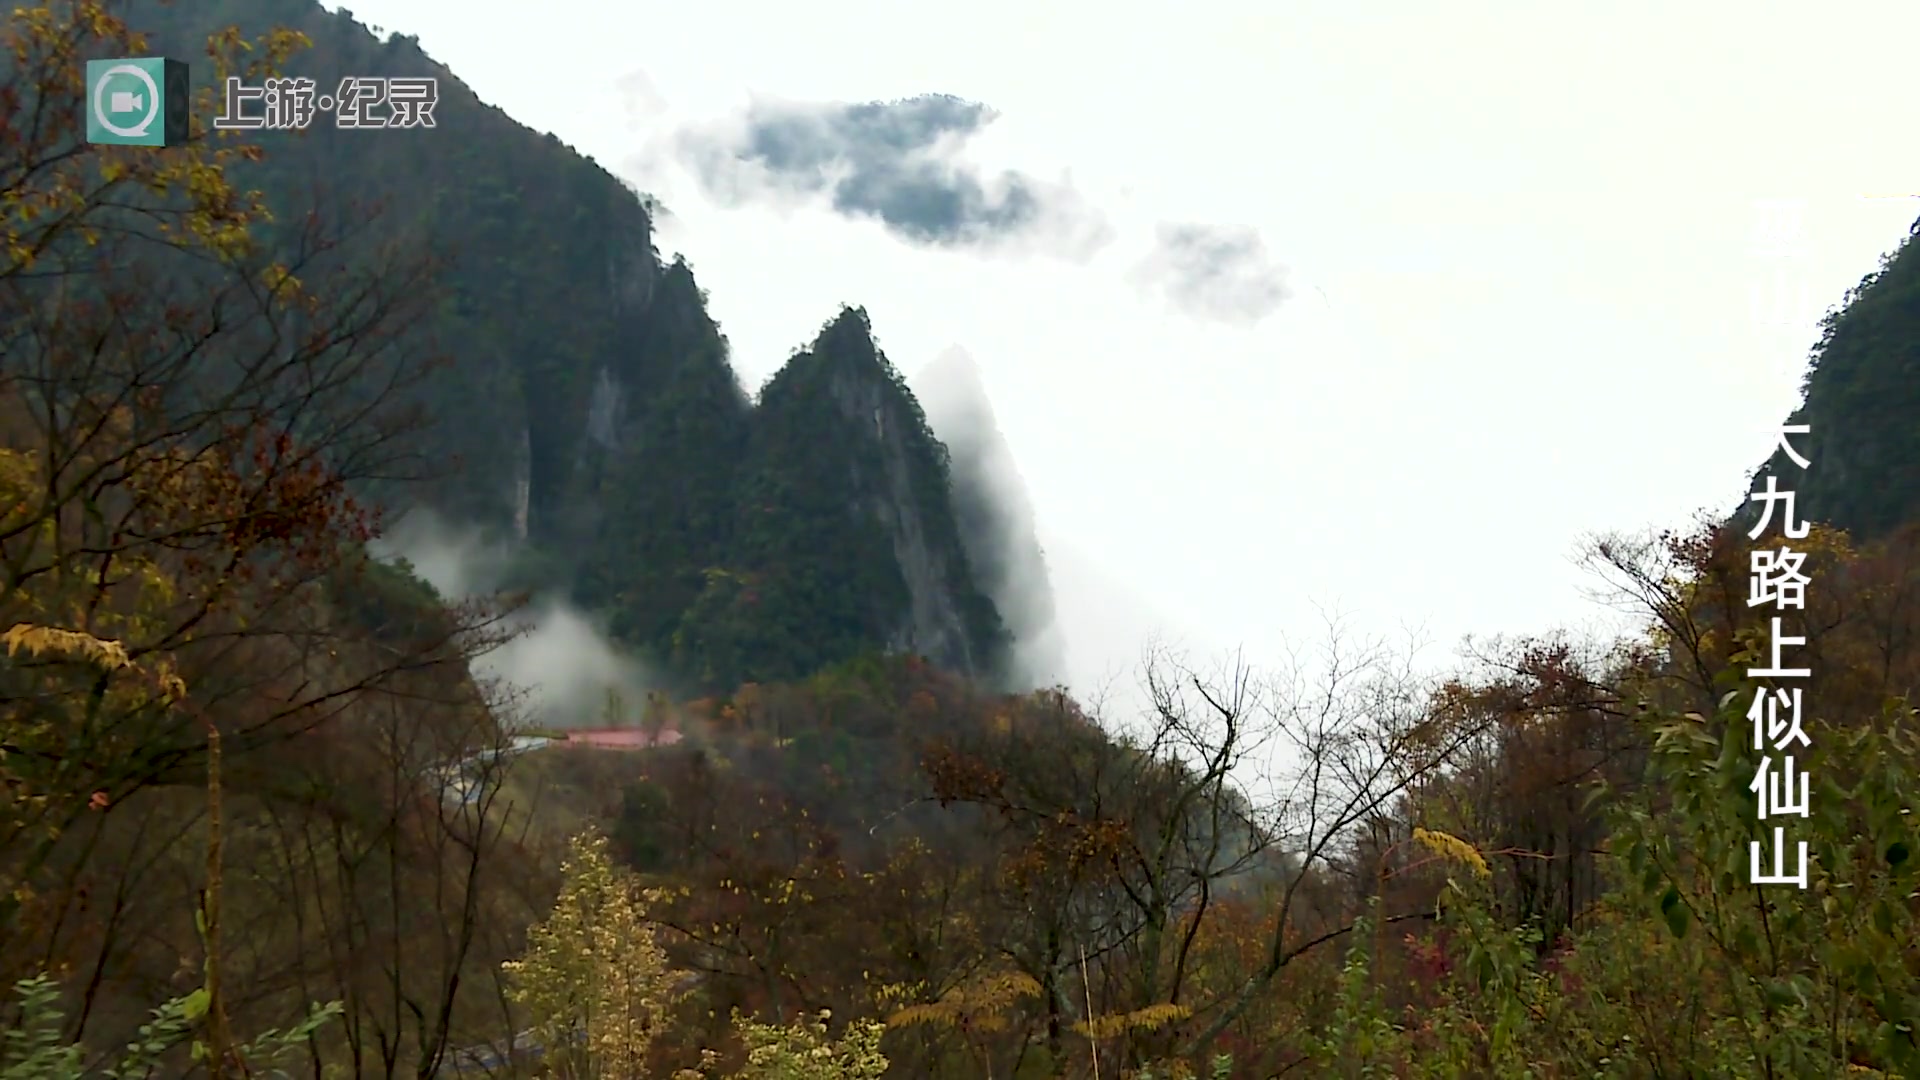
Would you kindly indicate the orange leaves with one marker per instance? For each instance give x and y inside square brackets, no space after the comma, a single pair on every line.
[1068,846]
[290,499]
[254,490]
[959,777]
[1096,842]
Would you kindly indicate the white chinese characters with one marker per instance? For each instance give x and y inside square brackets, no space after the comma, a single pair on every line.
[1778,733]
[359,101]
[1780,788]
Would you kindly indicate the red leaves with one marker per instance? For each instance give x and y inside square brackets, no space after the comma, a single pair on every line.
[282,499]
[1427,958]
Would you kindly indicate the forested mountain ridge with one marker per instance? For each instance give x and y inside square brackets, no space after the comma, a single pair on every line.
[244,768]
[1861,394]
[591,412]
[845,520]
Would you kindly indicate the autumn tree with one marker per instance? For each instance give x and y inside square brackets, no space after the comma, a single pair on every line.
[1139,835]
[189,421]
[1552,717]
[1815,975]
[390,884]
[1680,962]
[594,980]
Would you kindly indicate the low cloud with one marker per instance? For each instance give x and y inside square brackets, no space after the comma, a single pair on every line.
[563,663]
[996,518]
[1217,272]
[899,163]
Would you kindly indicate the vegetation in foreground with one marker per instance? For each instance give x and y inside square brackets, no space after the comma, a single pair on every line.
[224,733]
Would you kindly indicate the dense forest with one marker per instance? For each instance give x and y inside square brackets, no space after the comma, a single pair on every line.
[264,817]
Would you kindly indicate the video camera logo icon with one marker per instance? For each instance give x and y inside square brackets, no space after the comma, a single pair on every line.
[139,101]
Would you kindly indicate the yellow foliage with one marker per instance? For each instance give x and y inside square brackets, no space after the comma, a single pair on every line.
[1150,1018]
[47,640]
[980,1004]
[58,192]
[1452,847]
[804,1050]
[39,641]
[594,979]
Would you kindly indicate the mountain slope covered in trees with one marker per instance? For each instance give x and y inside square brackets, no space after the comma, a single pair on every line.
[594,419]
[1861,395]
[245,768]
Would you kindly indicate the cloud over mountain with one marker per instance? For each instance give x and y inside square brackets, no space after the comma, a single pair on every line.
[900,163]
[995,516]
[1218,272]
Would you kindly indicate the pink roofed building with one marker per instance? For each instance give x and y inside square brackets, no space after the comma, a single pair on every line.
[620,738]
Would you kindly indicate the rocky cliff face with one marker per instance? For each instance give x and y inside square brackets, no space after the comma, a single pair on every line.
[840,443]
[935,573]
[591,416]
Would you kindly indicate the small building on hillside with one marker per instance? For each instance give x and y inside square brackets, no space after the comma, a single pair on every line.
[620,738]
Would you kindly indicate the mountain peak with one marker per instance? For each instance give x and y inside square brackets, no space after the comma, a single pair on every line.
[851,317]
[596,416]
[848,338]
[1859,398]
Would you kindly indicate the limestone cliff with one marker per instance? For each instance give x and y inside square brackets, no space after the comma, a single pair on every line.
[589,414]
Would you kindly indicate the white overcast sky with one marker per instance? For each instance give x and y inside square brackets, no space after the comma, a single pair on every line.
[1520,243]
